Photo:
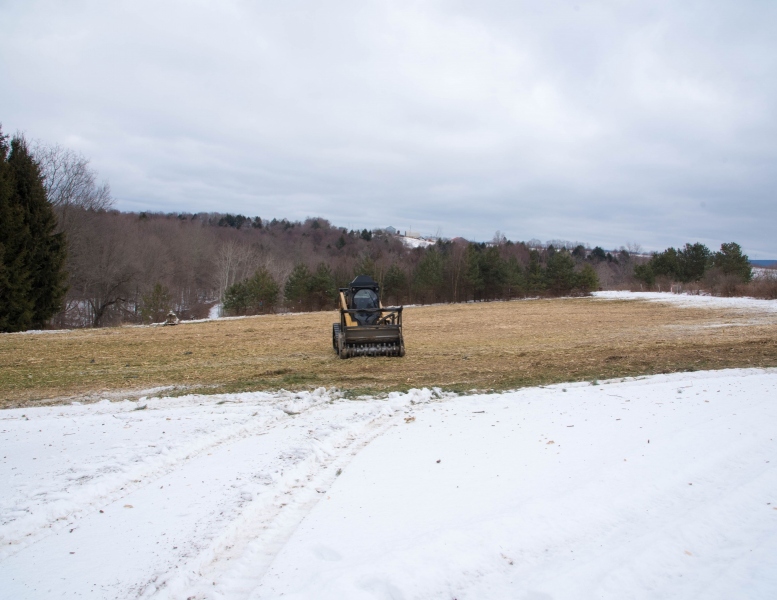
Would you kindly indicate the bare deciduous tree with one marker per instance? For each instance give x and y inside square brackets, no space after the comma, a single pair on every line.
[70,182]
[104,266]
[234,262]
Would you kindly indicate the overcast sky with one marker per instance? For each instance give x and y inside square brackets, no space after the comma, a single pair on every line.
[608,122]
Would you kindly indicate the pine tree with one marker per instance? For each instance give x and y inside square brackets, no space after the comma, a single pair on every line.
[645,274]
[394,284]
[731,261]
[323,288]
[429,278]
[473,274]
[38,252]
[263,292]
[666,264]
[560,273]
[587,280]
[516,279]
[494,272]
[297,289]
[258,294]
[535,277]
[366,266]
[236,298]
[694,260]
[16,303]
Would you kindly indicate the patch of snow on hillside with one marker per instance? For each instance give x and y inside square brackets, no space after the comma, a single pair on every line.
[415,242]
[764,272]
[693,300]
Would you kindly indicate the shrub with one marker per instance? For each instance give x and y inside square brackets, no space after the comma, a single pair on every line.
[763,287]
[258,294]
[587,280]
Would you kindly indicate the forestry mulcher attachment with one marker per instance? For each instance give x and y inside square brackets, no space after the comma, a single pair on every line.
[366,327]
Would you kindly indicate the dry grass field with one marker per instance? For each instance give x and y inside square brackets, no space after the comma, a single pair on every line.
[487,346]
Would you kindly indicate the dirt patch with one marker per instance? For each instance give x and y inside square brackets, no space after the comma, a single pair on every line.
[484,346]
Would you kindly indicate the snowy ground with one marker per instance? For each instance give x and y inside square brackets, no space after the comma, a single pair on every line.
[411,242]
[695,301]
[215,311]
[662,487]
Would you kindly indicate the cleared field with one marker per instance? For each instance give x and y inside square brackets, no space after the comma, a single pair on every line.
[500,345]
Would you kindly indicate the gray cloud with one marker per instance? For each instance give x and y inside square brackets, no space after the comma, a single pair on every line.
[609,122]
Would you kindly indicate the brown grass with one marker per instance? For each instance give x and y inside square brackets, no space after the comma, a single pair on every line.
[501,345]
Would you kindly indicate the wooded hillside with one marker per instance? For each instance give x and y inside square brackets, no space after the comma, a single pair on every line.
[130,267]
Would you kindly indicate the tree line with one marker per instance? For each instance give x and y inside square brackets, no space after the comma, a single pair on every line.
[448,271]
[720,272]
[69,259]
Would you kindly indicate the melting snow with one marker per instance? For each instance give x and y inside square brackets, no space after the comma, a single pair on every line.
[656,487]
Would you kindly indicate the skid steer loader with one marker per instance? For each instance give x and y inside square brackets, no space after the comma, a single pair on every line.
[366,327]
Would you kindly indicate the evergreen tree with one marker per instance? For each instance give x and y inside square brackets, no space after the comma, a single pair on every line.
[429,277]
[516,279]
[535,278]
[597,254]
[263,292]
[694,259]
[16,306]
[322,288]
[645,274]
[665,263]
[686,265]
[486,273]
[32,285]
[297,288]
[473,274]
[394,284]
[46,248]
[494,273]
[236,298]
[731,261]
[587,280]
[367,266]
[257,294]
[560,274]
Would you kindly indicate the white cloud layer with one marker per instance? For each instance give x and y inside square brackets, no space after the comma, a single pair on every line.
[610,122]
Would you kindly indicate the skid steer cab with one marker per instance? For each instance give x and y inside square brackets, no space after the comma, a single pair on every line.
[366,327]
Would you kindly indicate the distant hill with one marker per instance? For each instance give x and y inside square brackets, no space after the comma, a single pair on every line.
[764,263]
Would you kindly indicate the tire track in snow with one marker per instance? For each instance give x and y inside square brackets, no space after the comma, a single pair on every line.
[70,504]
[234,563]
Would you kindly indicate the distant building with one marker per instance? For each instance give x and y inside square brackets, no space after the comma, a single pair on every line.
[390,230]
[413,234]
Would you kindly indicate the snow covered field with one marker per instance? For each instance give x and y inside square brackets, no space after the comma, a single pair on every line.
[695,301]
[660,487]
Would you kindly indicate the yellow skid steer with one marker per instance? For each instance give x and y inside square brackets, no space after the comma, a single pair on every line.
[366,327]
